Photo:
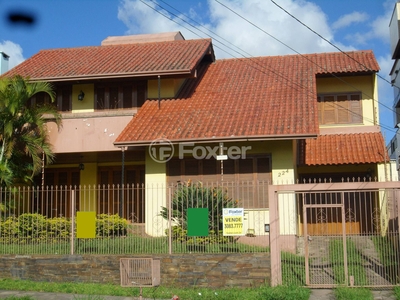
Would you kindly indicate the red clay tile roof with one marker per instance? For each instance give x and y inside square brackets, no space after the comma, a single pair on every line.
[264,97]
[127,60]
[338,149]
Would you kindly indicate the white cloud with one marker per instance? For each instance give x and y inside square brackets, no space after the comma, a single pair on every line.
[377,28]
[14,51]
[141,18]
[385,89]
[274,32]
[380,27]
[349,19]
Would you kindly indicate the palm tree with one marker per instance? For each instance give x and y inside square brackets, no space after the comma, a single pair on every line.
[23,132]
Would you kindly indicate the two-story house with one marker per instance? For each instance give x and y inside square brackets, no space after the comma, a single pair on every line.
[159,109]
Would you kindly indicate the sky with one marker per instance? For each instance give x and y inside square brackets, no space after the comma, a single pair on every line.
[238,28]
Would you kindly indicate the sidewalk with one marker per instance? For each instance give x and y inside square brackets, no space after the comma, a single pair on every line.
[327,294]
[316,294]
[60,296]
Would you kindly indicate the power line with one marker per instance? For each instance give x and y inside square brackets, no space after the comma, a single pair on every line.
[259,28]
[326,40]
[247,58]
[251,58]
[341,79]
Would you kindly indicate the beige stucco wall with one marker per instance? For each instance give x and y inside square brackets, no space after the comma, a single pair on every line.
[88,180]
[168,88]
[155,196]
[87,104]
[366,84]
[283,162]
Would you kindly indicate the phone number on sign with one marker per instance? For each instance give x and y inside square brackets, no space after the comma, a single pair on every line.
[233,225]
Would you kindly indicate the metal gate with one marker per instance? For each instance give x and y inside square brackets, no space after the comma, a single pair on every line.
[319,261]
[325,235]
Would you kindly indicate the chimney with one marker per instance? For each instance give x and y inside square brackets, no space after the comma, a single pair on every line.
[3,62]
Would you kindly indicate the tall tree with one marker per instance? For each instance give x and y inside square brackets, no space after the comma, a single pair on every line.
[23,131]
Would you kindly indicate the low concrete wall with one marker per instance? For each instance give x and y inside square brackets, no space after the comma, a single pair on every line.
[183,270]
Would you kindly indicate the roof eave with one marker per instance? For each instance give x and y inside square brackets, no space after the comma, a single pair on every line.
[222,139]
[184,72]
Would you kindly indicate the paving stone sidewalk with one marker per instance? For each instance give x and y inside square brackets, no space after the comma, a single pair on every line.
[316,294]
[327,294]
[62,296]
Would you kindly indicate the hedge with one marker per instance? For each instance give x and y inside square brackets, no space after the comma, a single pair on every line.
[28,228]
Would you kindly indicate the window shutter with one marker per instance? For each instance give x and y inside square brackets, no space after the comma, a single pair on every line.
[356,109]
[174,170]
[113,102]
[209,170]
[339,109]
[328,110]
[127,97]
[343,110]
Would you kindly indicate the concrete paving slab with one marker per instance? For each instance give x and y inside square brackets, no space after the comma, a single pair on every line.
[61,296]
[328,294]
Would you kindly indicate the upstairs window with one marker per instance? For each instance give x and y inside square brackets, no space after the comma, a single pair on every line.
[340,109]
[121,96]
[39,99]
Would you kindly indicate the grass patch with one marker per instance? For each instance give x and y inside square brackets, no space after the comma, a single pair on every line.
[389,257]
[92,291]
[396,292]
[125,245]
[293,269]
[354,262]
[346,293]
[19,298]
[285,293]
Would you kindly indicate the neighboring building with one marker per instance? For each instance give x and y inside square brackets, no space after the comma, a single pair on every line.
[394,147]
[4,59]
[285,118]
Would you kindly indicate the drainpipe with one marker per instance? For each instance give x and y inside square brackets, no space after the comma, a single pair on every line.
[159,91]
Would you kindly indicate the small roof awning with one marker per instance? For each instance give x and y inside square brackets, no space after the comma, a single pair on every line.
[339,149]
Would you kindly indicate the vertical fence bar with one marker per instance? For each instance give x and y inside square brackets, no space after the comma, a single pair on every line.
[275,251]
[169,220]
[346,272]
[72,221]
[305,237]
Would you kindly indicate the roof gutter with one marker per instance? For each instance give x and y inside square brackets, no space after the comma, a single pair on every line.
[119,75]
[216,140]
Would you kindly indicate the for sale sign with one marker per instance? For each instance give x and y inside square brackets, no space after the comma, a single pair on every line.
[232,221]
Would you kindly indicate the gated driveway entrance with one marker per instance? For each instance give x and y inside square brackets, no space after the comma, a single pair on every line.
[329,234]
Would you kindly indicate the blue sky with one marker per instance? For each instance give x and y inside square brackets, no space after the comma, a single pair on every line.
[238,28]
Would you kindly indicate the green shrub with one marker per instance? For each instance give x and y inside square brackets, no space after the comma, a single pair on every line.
[193,195]
[28,228]
[110,225]
[32,225]
[59,228]
[9,229]
[180,235]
